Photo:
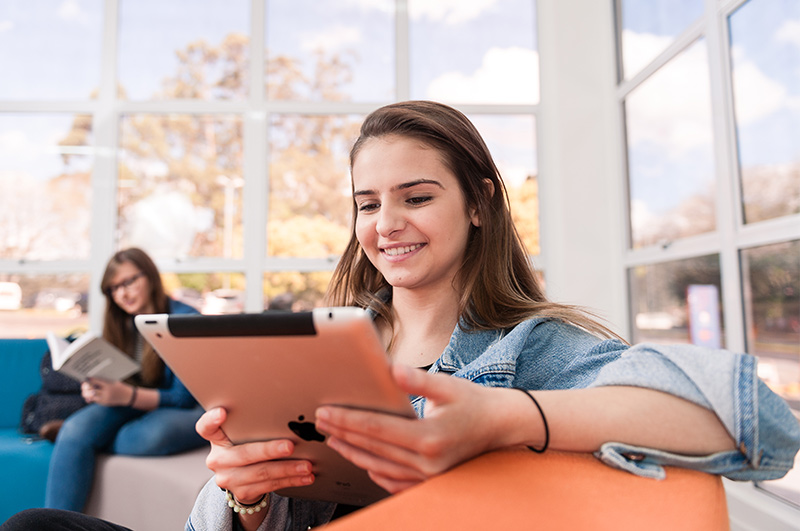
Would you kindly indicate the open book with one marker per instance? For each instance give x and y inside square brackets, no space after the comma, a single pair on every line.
[90,356]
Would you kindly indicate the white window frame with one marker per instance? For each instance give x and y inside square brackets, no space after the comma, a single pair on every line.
[106,111]
[749,506]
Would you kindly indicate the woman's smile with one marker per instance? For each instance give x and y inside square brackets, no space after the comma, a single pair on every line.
[412,219]
[401,252]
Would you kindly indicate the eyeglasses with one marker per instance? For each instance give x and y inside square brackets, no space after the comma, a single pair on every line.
[127,283]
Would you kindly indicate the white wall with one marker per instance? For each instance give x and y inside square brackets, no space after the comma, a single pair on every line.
[581,181]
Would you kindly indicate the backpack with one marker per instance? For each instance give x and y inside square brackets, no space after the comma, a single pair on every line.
[58,398]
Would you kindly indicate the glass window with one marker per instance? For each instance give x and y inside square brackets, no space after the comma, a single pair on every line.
[39,42]
[45,186]
[180,185]
[310,190]
[650,26]
[295,290]
[167,51]
[771,291]
[180,101]
[209,293]
[673,188]
[677,302]
[342,51]
[474,52]
[765,54]
[512,142]
[310,195]
[32,305]
[670,152]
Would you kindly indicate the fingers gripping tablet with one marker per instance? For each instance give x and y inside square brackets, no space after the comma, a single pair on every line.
[271,370]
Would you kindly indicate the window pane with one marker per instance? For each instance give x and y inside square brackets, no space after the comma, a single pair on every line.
[474,52]
[512,142]
[766,81]
[771,278]
[670,152]
[336,51]
[40,41]
[32,305]
[677,302]
[167,51]
[45,186]
[650,26]
[310,196]
[210,293]
[180,185]
[295,290]
[771,285]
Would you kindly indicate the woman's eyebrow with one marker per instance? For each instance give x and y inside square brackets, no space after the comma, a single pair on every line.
[401,186]
[410,184]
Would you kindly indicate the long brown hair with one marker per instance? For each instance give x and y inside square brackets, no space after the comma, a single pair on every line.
[498,285]
[118,326]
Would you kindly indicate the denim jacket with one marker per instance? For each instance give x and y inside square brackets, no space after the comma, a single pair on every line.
[541,354]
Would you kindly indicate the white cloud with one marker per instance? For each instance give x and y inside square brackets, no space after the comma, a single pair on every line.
[15,143]
[513,174]
[34,154]
[70,10]
[166,223]
[641,48]
[506,75]
[383,6]
[755,94]
[6,26]
[672,108]
[643,220]
[789,32]
[450,12]
[510,140]
[336,38]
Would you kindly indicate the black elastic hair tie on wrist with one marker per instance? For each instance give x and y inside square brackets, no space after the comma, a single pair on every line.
[133,396]
[544,421]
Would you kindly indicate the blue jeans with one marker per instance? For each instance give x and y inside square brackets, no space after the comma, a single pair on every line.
[116,430]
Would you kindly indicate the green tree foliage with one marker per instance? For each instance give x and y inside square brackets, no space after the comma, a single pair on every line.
[196,155]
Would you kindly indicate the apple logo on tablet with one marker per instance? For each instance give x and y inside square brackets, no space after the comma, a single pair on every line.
[306,430]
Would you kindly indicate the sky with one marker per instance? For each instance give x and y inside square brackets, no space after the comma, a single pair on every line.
[52,50]
[668,115]
[63,39]
[150,31]
[62,45]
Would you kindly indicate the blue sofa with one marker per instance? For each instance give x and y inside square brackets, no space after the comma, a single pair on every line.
[23,459]
[142,493]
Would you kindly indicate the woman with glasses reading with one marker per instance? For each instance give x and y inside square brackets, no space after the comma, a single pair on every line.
[151,413]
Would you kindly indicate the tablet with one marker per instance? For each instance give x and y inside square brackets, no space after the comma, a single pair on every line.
[270,371]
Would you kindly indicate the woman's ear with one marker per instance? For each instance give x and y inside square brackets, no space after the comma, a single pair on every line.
[488,190]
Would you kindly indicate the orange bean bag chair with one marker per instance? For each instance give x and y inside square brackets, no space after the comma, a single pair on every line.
[518,489]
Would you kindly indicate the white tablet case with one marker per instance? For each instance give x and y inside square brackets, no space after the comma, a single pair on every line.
[271,371]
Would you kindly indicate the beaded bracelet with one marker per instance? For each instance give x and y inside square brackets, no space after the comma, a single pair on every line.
[248,508]
[544,421]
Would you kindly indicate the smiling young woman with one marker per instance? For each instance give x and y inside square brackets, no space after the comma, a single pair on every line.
[435,258]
